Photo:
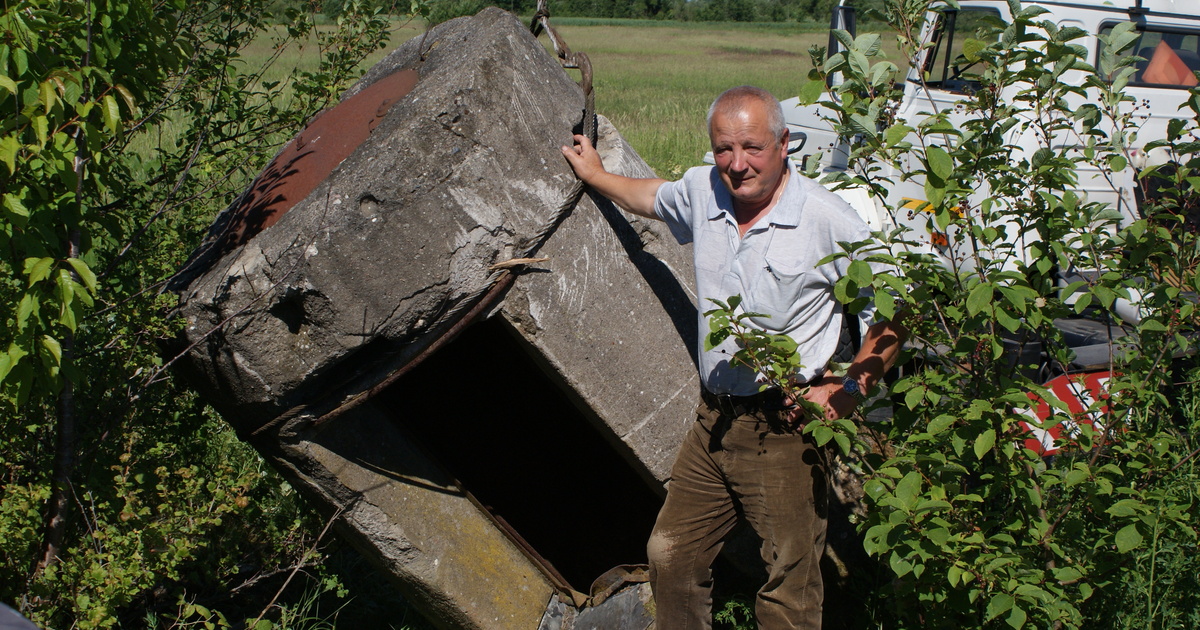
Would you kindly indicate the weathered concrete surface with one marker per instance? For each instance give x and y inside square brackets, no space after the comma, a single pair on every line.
[403,511]
[612,317]
[353,281]
[359,277]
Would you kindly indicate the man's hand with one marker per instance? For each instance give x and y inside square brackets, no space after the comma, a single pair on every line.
[881,345]
[584,159]
[828,393]
[633,194]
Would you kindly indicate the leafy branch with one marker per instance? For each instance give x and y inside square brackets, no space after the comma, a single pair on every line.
[775,360]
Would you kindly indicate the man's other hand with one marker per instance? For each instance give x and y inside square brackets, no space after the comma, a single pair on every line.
[584,159]
[828,393]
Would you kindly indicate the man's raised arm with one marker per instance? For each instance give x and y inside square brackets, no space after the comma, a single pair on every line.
[632,194]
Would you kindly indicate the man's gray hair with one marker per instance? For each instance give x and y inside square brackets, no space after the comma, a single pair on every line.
[733,99]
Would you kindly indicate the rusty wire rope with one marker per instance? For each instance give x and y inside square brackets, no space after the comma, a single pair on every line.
[503,274]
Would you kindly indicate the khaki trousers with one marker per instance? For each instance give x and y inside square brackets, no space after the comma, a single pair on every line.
[748,466]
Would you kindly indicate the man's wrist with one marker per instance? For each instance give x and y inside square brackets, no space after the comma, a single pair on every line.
[854,389]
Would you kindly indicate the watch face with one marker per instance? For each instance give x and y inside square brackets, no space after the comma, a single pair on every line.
[850,386]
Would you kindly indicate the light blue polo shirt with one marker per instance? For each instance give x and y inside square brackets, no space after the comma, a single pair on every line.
[773,267]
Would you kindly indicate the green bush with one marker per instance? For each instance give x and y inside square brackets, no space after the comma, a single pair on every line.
[977,530]
[124,499]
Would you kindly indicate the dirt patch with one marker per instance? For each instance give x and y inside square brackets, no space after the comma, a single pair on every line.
[758,52]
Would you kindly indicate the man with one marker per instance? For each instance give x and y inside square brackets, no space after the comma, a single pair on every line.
[759,228]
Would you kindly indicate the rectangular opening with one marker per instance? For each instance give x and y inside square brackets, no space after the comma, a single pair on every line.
[487,413]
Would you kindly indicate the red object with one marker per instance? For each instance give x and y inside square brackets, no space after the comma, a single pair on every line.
[1080,392]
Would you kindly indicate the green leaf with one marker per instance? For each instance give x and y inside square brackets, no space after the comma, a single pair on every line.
[1007,321]
[971,48]
[38,269]
[1122,36]
[13,204]
[940,163]
[844,38]
[984,443]
[8,152]
[908,490]
[41,129]
[1076,477]
[822,434]
[130,102]
[897,133]
[914,397]
[1128,538]
[885,304]
[24,309]
[869,43]
[874,488]
[863,125]
[1016,617]
[53,347]
[934,193]
[999,604]
[111,113]
[1084,301]
[10,360]
[980,298]
[8,84]
[899,565]
[811,91]
[1125,507]
[47,95]
[860,273]
[1067,574]
[941,423]
[1117,162]
[843,442]
[84,273]
[954,575]
[1151,325]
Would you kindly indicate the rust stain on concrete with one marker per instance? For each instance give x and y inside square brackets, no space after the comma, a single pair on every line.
[312,155]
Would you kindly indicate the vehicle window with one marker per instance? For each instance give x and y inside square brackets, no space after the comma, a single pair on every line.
[1170,57]
[958,30]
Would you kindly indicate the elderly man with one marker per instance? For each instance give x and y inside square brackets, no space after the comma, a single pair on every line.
[759,229]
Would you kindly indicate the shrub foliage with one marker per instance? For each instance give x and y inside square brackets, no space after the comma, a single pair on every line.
[127,124]
[977,530]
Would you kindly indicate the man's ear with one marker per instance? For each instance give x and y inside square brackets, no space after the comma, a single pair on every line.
[783,141]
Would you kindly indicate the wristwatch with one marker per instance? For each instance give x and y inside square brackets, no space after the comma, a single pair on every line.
[850,386]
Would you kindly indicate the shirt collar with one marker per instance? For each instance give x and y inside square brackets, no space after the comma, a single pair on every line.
[786,212]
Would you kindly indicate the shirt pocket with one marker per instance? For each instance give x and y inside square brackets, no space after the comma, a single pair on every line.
[781,294]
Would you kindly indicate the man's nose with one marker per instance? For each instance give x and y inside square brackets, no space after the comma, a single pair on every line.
[738,163]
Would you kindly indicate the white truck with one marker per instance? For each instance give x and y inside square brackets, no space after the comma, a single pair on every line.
[1168,43]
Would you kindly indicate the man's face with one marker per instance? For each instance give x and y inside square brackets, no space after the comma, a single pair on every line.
[750,159]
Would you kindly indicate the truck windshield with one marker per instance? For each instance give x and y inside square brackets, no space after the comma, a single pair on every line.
[958,35]
[1170,58]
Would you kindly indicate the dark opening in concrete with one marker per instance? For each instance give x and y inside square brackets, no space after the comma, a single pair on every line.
[487,412]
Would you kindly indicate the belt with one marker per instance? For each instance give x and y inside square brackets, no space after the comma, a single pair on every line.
[734,406]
